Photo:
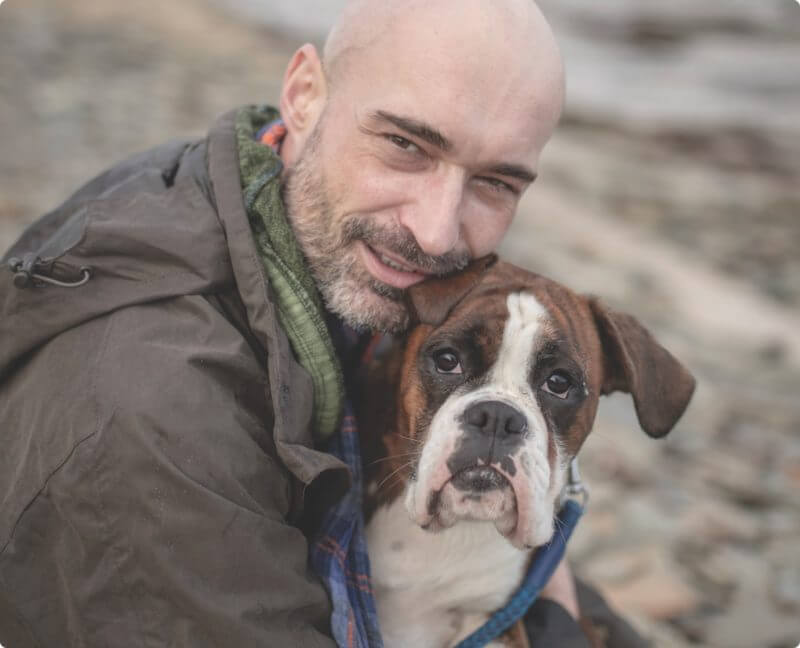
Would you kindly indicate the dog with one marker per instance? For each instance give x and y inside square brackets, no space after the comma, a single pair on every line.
[469,427]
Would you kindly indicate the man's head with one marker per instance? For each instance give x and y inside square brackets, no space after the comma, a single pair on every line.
[409,144]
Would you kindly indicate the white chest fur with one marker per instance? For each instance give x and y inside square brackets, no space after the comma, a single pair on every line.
[433,589]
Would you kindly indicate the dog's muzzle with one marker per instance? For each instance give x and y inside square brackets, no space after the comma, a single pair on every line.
[487,467]
[482,466]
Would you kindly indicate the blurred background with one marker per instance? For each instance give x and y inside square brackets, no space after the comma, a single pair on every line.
[672,189]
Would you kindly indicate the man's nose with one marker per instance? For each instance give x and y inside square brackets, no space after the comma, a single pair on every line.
[435,218]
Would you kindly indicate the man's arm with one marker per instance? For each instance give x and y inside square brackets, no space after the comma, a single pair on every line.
[166,524]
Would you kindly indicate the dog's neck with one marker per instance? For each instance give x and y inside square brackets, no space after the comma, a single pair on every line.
[447,582]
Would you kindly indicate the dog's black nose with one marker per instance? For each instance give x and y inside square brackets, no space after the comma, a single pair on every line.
[495,418]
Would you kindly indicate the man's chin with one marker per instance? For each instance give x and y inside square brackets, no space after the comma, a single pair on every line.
[367,306]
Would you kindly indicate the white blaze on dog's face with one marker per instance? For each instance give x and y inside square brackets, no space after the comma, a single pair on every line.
[493,449]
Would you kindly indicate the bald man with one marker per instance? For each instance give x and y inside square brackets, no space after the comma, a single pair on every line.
[175,339]
[412,141]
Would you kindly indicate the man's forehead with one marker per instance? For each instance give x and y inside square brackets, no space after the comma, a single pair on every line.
[470,61]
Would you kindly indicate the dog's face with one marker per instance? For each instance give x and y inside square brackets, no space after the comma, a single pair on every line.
[500,385]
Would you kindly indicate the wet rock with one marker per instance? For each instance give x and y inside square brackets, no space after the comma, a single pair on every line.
[693,625]
[736,477]
[645,579]
[782,523]
[718,522]
[724,568]
[752,619]
[786,588]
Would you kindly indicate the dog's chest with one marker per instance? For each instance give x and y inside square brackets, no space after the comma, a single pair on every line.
[433,589]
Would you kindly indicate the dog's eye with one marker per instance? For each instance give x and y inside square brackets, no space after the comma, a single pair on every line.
[558,384]
[447,362]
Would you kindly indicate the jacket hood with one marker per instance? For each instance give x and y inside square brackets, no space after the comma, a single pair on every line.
[144,230]
[166,223]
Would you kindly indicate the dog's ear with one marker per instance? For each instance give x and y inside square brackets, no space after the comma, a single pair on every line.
[635,363]
[432,300]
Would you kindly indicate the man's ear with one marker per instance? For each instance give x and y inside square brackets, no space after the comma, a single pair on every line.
[635,363]
[303,95]
[432,300]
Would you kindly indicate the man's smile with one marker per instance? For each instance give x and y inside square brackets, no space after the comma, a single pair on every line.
[388,268]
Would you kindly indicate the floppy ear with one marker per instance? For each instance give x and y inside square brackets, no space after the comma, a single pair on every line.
[432,300]
[635,363]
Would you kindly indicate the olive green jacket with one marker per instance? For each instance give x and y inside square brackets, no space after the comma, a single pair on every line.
[156,427]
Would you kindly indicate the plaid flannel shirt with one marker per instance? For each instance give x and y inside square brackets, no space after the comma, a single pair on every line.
[338,552]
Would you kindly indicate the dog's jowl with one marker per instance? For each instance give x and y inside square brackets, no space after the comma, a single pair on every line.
[468,428]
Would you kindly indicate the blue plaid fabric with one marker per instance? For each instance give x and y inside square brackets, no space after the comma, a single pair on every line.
[339,552]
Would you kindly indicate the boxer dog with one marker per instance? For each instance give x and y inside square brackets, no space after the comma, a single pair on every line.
[469,429]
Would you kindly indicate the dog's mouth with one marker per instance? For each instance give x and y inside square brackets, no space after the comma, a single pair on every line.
[516,491]
[479,493]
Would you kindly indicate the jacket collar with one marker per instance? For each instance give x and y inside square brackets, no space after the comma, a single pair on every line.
[299,306]
[288,381]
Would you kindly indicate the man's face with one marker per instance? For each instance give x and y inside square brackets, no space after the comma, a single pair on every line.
[415,167]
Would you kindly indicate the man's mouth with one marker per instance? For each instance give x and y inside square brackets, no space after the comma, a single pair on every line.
[389,269]
[392,263]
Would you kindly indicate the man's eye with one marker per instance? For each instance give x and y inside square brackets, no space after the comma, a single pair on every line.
[499,185]
[558,384]
[403,143]
[447,362]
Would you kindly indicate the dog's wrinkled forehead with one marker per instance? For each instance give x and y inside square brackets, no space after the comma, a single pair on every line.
[511,327]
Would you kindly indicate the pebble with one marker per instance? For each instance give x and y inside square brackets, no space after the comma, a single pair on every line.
[752,619]
[786,588]
[719,522]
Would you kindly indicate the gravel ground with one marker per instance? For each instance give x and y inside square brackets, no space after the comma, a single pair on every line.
[690,223]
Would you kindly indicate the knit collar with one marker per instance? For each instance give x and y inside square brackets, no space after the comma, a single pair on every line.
[299,305]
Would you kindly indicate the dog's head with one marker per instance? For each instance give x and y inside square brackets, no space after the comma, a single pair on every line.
[499,387]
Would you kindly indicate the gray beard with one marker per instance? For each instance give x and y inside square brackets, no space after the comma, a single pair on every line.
[328,244]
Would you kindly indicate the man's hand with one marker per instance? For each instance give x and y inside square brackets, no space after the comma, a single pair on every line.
[561,589]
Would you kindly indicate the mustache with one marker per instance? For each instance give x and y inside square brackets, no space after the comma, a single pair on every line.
[402,243]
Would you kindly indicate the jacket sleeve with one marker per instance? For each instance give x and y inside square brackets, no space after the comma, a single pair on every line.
[167,524]
[550,626]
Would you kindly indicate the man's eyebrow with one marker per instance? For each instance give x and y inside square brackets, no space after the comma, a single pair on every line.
[514,171]
[416,128]
[433,136]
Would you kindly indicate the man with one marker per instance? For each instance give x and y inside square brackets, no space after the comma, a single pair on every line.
[168,380]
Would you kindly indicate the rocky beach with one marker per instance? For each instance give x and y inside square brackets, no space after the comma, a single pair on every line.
[672,190]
